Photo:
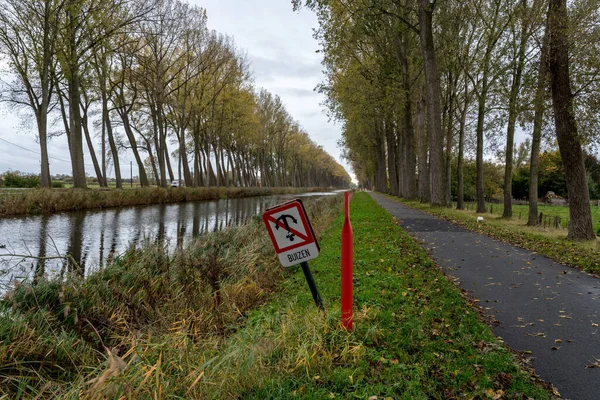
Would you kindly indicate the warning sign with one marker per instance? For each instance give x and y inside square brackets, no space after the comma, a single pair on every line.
[291,233]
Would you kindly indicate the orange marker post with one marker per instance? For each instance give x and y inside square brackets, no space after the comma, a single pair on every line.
[347,252]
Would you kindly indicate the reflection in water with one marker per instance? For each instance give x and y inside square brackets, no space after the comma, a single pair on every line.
[40,267]
[75,247]
[92,238]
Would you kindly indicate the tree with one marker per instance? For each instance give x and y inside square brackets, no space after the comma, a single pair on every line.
[569,141]
[434,125]
[28,34]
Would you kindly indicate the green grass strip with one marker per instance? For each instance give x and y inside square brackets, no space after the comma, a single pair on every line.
[415,335]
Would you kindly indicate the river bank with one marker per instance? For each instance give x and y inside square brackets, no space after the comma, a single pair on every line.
[223,320]
[148,303]
[47,201]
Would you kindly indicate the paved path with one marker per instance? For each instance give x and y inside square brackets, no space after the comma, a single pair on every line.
[542,306]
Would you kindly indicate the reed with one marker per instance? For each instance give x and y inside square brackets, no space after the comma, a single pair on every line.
[46,201]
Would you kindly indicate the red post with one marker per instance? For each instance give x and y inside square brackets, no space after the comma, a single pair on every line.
[347,251]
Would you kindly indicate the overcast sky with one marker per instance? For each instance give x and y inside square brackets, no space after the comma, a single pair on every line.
[282,52]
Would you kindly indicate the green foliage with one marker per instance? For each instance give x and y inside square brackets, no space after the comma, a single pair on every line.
[58,184]
[493,180]
[18,180]
[520,183]
[551,177]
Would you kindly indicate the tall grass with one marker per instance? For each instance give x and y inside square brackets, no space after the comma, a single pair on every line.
[44,201]
[148,317]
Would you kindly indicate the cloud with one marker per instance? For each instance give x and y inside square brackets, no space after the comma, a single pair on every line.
[268,69]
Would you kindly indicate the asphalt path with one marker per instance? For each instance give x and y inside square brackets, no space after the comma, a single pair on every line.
[542,307]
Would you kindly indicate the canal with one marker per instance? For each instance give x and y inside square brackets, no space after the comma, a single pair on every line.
[93,237]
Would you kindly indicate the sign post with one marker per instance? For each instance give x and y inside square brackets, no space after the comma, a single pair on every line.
[293,239]
[312,285]
[347,255]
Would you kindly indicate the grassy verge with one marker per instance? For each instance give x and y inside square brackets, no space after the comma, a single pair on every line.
[415,335]
[44,201]
[521,212]
[549,242]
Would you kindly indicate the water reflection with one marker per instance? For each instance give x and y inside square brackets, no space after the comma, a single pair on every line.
[92,238]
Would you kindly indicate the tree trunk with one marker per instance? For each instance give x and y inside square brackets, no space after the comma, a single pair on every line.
[434,126]
[123,113]
[111,142]
[569,143]
[187,175]
[42,121]
[90,145]
[479,156]
[75,134]
[540,95]
[161,141]
[423,167]
[391,151]
[407,133]
[512,117]
[450,137]
[380,175]
[460,201]
[42,112]
[169,167]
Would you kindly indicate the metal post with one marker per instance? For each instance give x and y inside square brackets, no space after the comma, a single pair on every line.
[347,255]
[312,285]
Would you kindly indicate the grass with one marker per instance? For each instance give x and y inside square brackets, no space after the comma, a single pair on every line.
[551,242]
[59,338]
[45,201]
[521,212]
[415,335]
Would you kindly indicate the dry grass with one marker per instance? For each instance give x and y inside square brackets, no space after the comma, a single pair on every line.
[45,201]
[158,313]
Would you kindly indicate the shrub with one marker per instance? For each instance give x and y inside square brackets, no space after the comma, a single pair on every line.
[58,184]
[16,180]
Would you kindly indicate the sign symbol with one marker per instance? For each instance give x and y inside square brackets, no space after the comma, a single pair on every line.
[284,218]
[295,242]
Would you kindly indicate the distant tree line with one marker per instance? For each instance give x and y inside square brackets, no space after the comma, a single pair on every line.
[142,74]
[424,88]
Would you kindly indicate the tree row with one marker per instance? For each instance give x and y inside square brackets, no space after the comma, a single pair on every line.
[148,78]
[421,86]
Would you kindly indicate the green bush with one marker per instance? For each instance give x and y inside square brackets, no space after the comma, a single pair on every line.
[16,180]
[58,184]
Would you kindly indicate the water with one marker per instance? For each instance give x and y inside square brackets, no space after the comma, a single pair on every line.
[92,237]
